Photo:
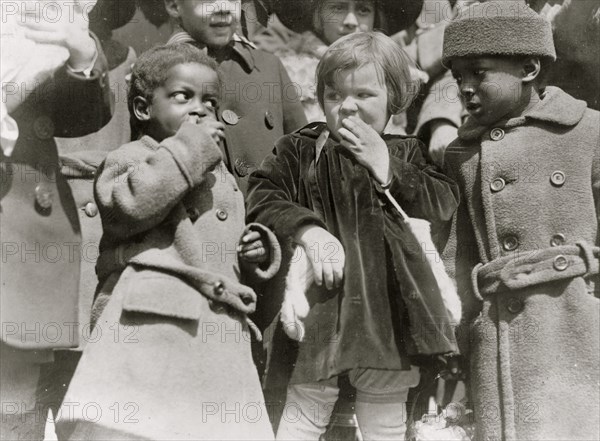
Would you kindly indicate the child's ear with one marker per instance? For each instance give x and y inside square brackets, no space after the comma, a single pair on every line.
[172,7]
[141,108]
[531,69]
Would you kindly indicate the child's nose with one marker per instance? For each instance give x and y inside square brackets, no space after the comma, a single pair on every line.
[350,21]
[348,106]
[224,6]
[467,89]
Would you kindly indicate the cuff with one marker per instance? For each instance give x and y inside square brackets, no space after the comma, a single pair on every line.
[269,269]
[87,72]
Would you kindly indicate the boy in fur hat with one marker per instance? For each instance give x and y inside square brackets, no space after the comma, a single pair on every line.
[524,243]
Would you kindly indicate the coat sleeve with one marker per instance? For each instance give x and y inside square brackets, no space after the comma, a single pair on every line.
[83,105]
[273,192]
[421,190]
[138,186]
[293,112]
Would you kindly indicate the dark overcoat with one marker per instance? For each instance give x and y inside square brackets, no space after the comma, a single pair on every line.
[524,251]
[389,304]
[40,228]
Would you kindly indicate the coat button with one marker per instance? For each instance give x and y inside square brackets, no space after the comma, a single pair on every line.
[230,117]
[560,263]
[496,134]
[221,214]
[557,240]
[219,289]
[241,167]
[557,178]
[193,213]
[43,197]
[269,119]
[497,184]
[510,243]
[90,209]
[43,127]
[514,305]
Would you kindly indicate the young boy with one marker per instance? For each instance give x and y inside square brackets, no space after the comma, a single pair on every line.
[323,188]
[171,345]
[524,243]
[259,102]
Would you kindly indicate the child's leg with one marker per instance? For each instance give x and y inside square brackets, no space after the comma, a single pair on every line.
[381,402]
[307,411]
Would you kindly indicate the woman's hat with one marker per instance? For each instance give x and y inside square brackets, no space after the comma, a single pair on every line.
[298,14]
[504,28]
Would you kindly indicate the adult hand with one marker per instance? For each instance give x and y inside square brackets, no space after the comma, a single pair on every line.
[62,26]
[369,149]
[325,253]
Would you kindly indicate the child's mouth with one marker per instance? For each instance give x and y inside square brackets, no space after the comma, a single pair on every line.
[221,21]
[472,107]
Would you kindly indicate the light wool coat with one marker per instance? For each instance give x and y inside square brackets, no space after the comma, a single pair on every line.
[530,211]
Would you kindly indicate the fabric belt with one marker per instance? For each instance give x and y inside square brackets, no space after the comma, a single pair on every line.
[535,267]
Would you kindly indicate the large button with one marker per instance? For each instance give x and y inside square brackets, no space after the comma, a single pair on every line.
[269,119]
[514,305]
[221,214]
[510,243]
[90,209]
[43,197]
[241,167]
[497,184]
[43,127]
[557,240]
[496,134]
[230,117]
[193,213]
[560,263]
[557,178]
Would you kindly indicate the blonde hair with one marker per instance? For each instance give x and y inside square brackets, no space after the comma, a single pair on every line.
[356,50]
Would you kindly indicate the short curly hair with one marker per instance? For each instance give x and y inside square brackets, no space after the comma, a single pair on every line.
[359,49]
[151,69]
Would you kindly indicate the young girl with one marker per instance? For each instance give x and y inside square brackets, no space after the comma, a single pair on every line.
[170,356]
[323,189]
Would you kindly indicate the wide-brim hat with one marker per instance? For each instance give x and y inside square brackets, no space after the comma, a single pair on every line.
[298,14]
[498,28]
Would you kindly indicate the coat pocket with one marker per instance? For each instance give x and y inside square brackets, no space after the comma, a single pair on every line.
[152,292]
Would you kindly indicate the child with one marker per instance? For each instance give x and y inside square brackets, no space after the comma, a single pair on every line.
[524,243]
[171,345]
[260,104]
[323,188]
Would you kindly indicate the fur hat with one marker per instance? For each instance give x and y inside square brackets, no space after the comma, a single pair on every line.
[507,27]
[298,14]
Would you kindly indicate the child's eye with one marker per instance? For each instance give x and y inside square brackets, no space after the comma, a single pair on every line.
[211,103]
[364,95]
[364,9]
[332,96]
[457,77]
[180,97]
[478,72]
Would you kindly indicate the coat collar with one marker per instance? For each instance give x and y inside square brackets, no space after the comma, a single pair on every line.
[240,46]
[555,106]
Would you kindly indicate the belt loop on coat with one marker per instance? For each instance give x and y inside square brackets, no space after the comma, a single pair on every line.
[475,280]
[591,255]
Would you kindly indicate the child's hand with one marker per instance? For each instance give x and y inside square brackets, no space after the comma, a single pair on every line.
[252,249]
[326,255]
[367,147]
[214,128]
[68,28]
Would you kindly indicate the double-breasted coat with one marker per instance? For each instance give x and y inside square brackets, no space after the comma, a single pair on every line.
[524,251]
[171,336]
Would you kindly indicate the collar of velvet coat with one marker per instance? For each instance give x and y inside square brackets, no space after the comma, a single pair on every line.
[555,106]
[240,46]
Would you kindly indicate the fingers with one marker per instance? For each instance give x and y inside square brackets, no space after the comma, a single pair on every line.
[45,37]
[256,255]
[252,236]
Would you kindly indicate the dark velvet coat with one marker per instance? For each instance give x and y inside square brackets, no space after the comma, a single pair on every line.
[389,305]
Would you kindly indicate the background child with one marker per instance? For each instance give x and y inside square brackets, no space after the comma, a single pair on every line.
[528,163]
[173,340]
[259,103]
[323,188]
